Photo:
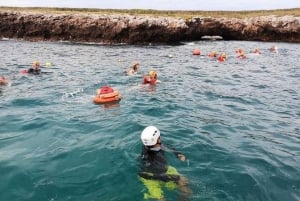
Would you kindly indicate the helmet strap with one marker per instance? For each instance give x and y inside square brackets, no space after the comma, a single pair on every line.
[155,148]
[158,141]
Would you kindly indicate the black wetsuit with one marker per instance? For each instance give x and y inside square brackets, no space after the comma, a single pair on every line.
[155,165]
[34,71]
[154,160]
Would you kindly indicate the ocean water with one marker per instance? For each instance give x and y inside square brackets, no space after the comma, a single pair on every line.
[237,122]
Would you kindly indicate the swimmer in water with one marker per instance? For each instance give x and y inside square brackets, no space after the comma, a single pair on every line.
[152,79]
[35,68]
[133,70]
[155,172]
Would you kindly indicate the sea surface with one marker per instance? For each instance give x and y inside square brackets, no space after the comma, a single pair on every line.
[237,122]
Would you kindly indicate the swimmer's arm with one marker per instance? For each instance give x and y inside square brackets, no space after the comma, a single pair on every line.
[181,157]
[178,154]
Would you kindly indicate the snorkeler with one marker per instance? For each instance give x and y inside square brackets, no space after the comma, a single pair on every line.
[155,172]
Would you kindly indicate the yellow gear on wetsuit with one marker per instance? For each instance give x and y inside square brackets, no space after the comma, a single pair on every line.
[155,186]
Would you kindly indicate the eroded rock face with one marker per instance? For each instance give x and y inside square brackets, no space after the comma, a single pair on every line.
[129,29]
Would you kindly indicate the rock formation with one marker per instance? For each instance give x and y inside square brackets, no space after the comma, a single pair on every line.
[112,29]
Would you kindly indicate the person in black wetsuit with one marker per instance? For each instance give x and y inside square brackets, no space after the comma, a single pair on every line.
[35,68]
[155,172]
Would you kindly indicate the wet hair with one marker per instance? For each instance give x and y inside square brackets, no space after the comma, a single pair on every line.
[135,66]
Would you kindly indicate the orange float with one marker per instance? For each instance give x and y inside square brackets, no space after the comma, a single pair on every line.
[107,95]
[196,51]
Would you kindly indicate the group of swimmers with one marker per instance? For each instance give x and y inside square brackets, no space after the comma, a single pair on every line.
[155,172]
[151,78]
[34,69]
[240,53]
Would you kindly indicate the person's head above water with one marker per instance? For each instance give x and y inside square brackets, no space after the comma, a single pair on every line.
[153,74]
[223,55]
[36,65]
[135,66]
[150,136]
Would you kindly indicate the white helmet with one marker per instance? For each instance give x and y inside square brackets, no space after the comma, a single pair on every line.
[150,135]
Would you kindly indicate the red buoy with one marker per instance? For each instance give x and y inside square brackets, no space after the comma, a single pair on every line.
[196,51]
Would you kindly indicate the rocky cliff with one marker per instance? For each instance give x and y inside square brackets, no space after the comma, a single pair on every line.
[110,29]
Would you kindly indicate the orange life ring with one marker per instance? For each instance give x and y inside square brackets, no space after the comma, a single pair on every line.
[107,98]
[110,95]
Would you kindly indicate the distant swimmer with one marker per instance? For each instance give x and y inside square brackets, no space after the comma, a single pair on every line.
[3,81]
[152,79]
[35,68]
[134,69]
[212,54]
[241,55]
[239,51]
[222,57]
[257,51]
[274,49]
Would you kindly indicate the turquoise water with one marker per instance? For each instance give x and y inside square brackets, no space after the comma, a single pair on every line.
[237,122]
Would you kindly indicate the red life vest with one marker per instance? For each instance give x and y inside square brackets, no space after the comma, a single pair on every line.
[106,90]
[149,80]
